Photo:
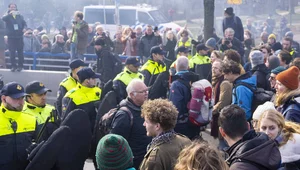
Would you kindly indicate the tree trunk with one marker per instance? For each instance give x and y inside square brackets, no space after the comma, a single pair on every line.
[291,7]
[209,8]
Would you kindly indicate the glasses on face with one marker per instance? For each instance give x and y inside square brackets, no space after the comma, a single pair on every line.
[142,91]
[272,78]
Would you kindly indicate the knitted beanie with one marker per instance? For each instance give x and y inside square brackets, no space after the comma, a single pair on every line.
[114,153]
[289,78]
[262,108]
[211,42]
[278,70]
[256,58]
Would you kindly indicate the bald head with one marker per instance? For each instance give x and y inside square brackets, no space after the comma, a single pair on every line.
[182,63]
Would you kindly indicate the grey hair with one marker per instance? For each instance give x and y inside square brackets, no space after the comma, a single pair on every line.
[229,30]
[132,85]
[182,63]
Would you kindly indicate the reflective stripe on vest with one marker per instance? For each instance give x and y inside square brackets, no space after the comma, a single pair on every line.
[153,67]
[82,95]
[12,119]
[126,76]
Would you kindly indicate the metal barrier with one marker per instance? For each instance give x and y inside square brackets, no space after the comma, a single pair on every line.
[35,55]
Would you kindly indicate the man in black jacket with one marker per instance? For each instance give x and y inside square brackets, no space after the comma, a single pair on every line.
[248,149]
[130,125]
[15,26]
[260,69]
[234,22]
[105,64]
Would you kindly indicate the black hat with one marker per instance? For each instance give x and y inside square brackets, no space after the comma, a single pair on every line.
[87,73]
[183,49]
[13,90]
[229,11]
[36,87]
[100,41]
[157,50]
[133,60]
[201,47]
[76,63]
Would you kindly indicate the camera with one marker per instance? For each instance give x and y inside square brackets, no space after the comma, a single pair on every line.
[133,35]
[227,41]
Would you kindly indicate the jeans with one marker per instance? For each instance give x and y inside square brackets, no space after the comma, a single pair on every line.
[74,52]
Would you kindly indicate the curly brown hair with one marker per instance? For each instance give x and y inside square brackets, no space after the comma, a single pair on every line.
[233,55]
[200,156]
[160,111]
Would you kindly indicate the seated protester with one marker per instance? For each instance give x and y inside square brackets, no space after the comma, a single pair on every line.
[129,73]
[287,45]
[241,95]
[154,66]
[109,151]
[234,56]
[45,47]
[230,42]
[200,57]
[200,156]
[59,44]
[286,133]
[31,43]
[248,149]
[164,149]
[259,111]
[295,44]
[259,69]
[222,93]
[36,106]
[288,94]
[180,95]
[285,58]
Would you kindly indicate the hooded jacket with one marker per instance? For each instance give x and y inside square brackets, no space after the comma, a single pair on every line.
[243,96]
[261,72]
[254,151]
[291,107]
[290,152]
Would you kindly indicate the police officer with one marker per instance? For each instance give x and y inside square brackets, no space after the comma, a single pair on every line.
[35,105]
[129,73]
[154,66]
[84,95]
[16,128]
[68,83]
[200,57]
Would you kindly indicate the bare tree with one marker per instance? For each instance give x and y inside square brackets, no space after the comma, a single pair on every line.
[209,8]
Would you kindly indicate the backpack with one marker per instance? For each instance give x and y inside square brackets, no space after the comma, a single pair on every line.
[117,64]
[201,104]
[260,95]
[105,123]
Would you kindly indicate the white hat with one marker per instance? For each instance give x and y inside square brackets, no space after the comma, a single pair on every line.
[262,108]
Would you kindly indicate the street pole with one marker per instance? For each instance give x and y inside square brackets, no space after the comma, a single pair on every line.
[104,14]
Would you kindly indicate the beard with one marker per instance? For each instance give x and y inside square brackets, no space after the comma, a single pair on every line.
[12,108]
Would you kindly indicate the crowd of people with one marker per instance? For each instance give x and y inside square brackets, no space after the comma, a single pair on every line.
[140,117]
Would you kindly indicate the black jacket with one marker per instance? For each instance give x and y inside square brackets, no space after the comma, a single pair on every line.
[262,72]
[105,65]
[58,48]
[147,42]
[10,22]
[254,151]
[236,24]
[236,45]
[135,135]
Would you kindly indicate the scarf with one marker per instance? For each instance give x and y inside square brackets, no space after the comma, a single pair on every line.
[164,137]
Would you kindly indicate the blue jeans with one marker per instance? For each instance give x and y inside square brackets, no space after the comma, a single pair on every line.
[74,53]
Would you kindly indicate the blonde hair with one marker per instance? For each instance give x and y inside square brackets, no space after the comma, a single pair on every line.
[218,54]
[282,98]
[200,156]
[285,127]
[98,27]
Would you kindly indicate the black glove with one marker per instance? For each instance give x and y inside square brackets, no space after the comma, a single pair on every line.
[31,148]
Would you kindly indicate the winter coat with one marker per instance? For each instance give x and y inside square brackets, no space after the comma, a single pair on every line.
[290,152]
[31,44]
[236,45]
[243,96]
[82,37]
[180,95]
[105,65]
[254,151]
[11,22]
[236,24]
[163,156]
[147,42]
[58,48]
[291,107]
[135,134]
[261,72]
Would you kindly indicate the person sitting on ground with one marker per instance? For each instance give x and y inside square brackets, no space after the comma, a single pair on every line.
[248,149]
[286,133]
[114,152]
[200,156]
[59,44]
